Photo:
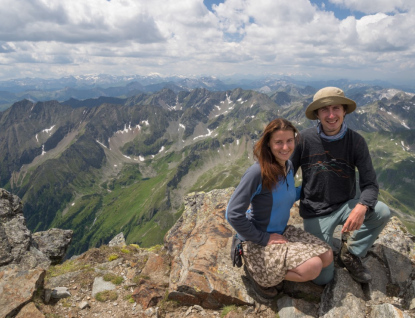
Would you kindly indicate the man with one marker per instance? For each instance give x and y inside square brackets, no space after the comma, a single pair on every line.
[328,155]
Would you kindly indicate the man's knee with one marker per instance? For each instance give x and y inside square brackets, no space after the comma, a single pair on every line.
[382,211]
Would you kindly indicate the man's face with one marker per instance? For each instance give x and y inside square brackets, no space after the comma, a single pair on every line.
[331,118]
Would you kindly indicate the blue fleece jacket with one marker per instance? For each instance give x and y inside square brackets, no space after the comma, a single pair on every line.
[255,212]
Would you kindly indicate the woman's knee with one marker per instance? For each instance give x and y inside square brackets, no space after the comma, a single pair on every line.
[327,258]
[311,268]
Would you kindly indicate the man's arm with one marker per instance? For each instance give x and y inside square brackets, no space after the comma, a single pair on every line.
[296,158]
[368,183]
[368,186]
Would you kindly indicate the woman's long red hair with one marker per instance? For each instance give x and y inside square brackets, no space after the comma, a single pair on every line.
[271,170]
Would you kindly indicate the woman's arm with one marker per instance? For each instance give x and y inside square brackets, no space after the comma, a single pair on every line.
[250,185]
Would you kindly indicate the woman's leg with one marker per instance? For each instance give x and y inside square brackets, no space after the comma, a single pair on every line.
[308,270]
[326,258]
[311,268]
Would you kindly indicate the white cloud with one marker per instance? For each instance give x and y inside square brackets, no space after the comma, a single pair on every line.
[76,21]
[69,37]
[384,6]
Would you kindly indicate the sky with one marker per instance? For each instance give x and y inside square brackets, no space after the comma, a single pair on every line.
[329,39]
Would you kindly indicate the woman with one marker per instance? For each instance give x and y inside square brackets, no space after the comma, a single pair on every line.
[259,210]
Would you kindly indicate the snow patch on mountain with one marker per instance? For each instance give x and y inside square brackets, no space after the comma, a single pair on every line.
[101,144]
[48,130]
[202,136]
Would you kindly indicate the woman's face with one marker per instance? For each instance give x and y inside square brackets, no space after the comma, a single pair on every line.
[282,143]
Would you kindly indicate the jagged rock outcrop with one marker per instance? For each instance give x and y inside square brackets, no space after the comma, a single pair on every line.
[118,240]
[19,247]
[17,288]
[24,257]
[201,271]
[192,276]
[53,243]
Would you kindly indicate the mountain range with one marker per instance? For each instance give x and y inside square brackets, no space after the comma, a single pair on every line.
[101,166]
[94,86]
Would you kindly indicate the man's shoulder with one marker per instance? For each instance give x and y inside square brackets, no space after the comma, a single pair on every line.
[308,130]
[354,134]
[308,133]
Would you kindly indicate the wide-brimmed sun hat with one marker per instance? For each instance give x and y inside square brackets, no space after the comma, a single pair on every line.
[329,96]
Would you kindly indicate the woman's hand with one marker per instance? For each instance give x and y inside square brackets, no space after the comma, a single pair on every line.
[276,238]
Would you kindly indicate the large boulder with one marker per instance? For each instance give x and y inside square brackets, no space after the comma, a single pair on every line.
[14,235]
[17,288]
[199,243]
[24,257]
[53,243]
[18,246]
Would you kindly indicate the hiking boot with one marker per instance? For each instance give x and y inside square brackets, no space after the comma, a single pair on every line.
[265,292]
[354,265]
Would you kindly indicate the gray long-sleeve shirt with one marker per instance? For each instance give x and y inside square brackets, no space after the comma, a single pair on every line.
[270,210]
[329,172]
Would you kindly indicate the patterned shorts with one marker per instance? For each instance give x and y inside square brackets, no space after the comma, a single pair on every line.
[269,264]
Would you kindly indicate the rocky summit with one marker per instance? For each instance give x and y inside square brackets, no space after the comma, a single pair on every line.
[190,276]
[24,257]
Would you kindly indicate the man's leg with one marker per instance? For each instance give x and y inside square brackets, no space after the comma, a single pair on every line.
[375,220]
[323,228]
[361,240]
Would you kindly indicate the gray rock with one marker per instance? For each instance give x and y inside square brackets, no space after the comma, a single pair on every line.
[396,249]
[13,228]
[10,204]
[33,258]
[296,308]
[118,240]
[61,280]
[387,311]
[101,285]
[342,297]
[200,242]
[311,292]
[53,243]
[30,310]
[410,295]
[380,278]
[198,308]
[60,292]
[110,265]
[5,248]
[19,246]
[84,305]
[17,288]
[151,312]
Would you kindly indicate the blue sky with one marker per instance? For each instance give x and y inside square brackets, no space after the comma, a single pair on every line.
[209,3]
[330,39]
[339,11]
